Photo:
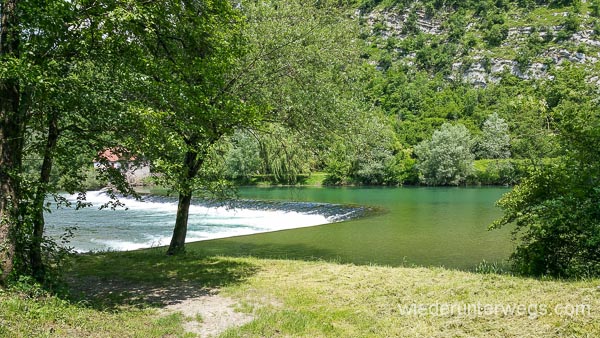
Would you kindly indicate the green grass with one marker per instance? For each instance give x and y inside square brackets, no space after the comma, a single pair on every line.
[24,315]
[311,179]
[115,294]
[322,299]
[541,16]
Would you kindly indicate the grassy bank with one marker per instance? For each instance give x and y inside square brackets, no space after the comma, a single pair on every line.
[122,294]
[485,172]
[312,179]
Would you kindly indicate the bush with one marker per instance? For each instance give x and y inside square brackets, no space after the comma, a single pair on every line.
[596,29]
[370,165]
[595,8]
[369,155]
[558,225]
[572,23]
[338,166]
[556,210]
[495,35]
[385,167]
[55,256]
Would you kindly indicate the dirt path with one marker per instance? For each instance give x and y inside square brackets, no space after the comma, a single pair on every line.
[209,315]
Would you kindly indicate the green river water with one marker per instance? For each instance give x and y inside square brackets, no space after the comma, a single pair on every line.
[412,226]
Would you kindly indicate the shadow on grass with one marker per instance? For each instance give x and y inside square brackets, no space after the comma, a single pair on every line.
[150,278]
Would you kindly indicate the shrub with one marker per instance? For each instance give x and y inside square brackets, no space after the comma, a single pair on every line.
[595,8]
[558,224]
[496,172]
[495,35]
[556,210]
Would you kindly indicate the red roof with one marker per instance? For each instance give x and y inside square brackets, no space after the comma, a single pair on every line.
[113,155]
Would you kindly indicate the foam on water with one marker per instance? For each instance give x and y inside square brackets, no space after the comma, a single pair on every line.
[149,223]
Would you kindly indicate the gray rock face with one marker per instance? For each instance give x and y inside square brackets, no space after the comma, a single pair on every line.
[395,21]
[482,70]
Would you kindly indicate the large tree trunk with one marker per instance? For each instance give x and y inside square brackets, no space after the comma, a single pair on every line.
[11,149]
[12,121]
[192,163]
[37,265]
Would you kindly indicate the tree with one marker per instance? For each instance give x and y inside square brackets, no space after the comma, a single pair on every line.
[368,153]
[284,153]
[211,74]
[242,159]
[80,107]
[12,130]
[56,77]
[495,141]
[495,35]
[595,8]
[279,152]
[446,159]
[555,209]
[186,103]
[530,122]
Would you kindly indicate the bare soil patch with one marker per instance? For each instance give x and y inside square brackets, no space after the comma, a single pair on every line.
[210,314]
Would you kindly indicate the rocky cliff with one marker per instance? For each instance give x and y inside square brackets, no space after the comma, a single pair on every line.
[478,47]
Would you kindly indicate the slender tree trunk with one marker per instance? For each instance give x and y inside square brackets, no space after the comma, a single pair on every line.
[36,261]
[192,163]
[181,221]
[12,121]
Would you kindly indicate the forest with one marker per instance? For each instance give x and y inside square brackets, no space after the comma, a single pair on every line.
[215,93]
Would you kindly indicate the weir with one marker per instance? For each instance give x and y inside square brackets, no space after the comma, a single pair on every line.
[149,222]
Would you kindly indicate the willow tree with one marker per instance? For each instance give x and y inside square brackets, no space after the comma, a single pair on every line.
[211,68]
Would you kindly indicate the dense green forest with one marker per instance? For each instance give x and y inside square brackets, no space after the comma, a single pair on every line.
[213,93]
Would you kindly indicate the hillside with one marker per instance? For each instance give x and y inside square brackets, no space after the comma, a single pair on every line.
[478,43]
[504,70]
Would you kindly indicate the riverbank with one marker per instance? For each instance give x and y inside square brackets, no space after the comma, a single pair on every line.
[145,293]
[498,172]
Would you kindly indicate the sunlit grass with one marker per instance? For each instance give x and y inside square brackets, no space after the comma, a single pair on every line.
[322,299]
[22,315]
[116,295]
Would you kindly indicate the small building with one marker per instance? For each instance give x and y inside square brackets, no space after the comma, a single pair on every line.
[136,171]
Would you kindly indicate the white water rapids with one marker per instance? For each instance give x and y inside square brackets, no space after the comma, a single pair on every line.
[150,223]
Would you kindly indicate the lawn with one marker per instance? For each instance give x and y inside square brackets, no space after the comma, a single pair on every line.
[125,294]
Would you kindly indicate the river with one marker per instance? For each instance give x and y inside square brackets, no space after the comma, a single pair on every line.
[386,226]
